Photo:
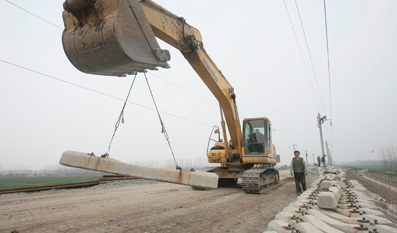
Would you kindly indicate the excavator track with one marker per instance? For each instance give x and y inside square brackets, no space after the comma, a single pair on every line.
[260,180]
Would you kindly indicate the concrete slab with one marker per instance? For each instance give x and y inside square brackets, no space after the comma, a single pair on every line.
[339,217]
[329,200]
[384,229]
[294,211]
[372,212]
[306,227]
[315,221]
[344,227]
[349,213]
[359,205]
[278,226]
[338,178]
[379,220]
[285,216]
[326,185]
[110,165]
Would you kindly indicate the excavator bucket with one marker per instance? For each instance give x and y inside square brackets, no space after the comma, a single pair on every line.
[110,37]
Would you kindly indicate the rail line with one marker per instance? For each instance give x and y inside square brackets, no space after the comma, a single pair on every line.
[105,178]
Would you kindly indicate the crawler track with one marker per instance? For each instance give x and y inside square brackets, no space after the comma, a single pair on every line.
[260,180]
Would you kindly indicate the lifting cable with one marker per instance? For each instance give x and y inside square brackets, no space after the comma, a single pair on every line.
[163,130]
[119,120]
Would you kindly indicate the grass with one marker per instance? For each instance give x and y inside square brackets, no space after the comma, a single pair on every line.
[25,182]
[377,168]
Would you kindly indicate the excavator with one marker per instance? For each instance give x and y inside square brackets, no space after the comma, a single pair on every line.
[118,38]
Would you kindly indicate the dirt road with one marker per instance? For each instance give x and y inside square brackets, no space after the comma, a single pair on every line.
[148,207]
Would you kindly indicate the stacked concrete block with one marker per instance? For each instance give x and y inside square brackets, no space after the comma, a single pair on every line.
[332,204]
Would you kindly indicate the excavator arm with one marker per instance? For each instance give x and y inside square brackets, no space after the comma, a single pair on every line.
[117,37]
[188,40]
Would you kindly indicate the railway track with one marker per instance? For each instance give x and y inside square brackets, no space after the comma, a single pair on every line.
[105,178]
[49,187]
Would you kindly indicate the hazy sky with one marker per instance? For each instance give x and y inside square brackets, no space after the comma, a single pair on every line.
[252,42]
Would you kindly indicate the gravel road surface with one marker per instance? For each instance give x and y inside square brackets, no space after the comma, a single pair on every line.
[145,206]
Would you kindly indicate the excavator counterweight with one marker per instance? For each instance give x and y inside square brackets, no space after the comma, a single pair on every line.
[110,37]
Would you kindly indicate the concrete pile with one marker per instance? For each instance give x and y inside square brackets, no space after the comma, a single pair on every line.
[332,204]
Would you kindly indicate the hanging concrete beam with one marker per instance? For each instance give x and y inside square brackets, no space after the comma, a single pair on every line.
[90,162]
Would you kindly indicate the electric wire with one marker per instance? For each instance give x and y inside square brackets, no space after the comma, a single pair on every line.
[329,67]
[186,90]
[163,129]
[120,119]
[300,50]
[173,84]
[34,14]
[310,56]
[329,73]
[99,92]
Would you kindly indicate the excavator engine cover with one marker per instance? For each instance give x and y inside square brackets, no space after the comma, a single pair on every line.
[110,37]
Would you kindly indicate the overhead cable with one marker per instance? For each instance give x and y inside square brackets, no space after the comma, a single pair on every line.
[300,50]
[99,92]
[34,14]
[329,67]
[173,84]
[310,56]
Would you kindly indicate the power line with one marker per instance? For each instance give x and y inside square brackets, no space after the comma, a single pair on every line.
[184,89]
[310,56]
[329,72]
[99,92]
[33,14]
[329,67]
[173,84]
[304,61]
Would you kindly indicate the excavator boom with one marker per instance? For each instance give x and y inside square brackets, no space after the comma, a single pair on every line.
[117,38]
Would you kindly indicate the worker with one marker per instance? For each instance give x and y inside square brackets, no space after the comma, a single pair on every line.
[260,137]
[319,160]
[323,160]
[299,171]
[257,140]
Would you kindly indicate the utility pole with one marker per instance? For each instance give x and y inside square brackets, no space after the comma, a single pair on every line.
[294,146]
[307,162]
[313,158]
[328,153]
[320,121]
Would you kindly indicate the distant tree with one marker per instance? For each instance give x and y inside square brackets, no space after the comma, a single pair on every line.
[388,154]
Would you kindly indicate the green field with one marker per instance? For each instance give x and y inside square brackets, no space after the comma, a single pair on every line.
[25,182]
[377,168]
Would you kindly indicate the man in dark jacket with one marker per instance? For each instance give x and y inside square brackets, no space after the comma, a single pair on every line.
[299,171]
[323,160]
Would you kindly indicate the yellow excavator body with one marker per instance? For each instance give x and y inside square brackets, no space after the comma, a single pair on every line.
[118,38]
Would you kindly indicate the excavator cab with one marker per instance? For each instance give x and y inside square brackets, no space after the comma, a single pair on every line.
[257,140]
[110,37]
